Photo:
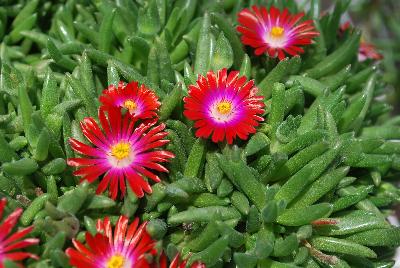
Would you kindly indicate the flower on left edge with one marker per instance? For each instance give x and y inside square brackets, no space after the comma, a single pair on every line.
[123,152]
[9,242]
[126,247]
[275,32]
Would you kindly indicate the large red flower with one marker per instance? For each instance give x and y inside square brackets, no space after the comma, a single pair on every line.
[121,151]
[10,242]
[125,248]
[224,106]
[140,102]
[275,32]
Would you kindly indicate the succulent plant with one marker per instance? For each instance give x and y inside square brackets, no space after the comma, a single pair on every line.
[278,145]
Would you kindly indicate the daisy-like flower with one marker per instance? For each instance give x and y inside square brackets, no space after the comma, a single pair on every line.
[121,151]
[125,248]
[177,263]
[224,106]
[140,102]
[366,50]
[275,32]
[10,242]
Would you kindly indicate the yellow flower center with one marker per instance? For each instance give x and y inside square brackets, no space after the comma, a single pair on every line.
[130,105]
[121,150]
[277,31]
[116,261]
[224,107]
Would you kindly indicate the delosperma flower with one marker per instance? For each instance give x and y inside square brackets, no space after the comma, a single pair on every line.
[224,106]
[11,243]
[139,101]
[125,248]
[122,152]
[274,32]
[366,50]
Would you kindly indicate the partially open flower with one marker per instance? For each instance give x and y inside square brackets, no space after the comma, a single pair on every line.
[366,50]
[125,248]
[11,242]
[140,102]
[275,32]
[224,106]
[123,152]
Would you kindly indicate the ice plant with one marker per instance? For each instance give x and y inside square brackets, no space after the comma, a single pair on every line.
[10,242]
[274,32]
[122,151]
[177,263]
[311,188]
[224,106]
[140,101]
[124,248]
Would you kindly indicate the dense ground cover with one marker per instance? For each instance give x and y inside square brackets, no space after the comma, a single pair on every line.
[140,133]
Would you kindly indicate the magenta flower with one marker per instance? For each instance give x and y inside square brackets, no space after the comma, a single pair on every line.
[11,243]
[275,32]
[224,106]
[140,102]
[124,248]
[123,152]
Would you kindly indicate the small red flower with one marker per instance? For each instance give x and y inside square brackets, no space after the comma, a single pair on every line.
[275,32]
[177,263]
[366,50]
[125,249]
[10,242]
[121,151]
[224,106]
[344,27]
[140,102]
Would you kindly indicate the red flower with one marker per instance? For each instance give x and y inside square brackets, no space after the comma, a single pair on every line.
[176,263]
[224,106]
[125,249]
[11,242]
[344,26]
[275,32]
[121,152]
[366,50]
[141,102]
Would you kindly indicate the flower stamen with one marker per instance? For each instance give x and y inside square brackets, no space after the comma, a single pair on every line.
[277,31]
[121,150]
[224,107]
[130,105]
[116,261]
